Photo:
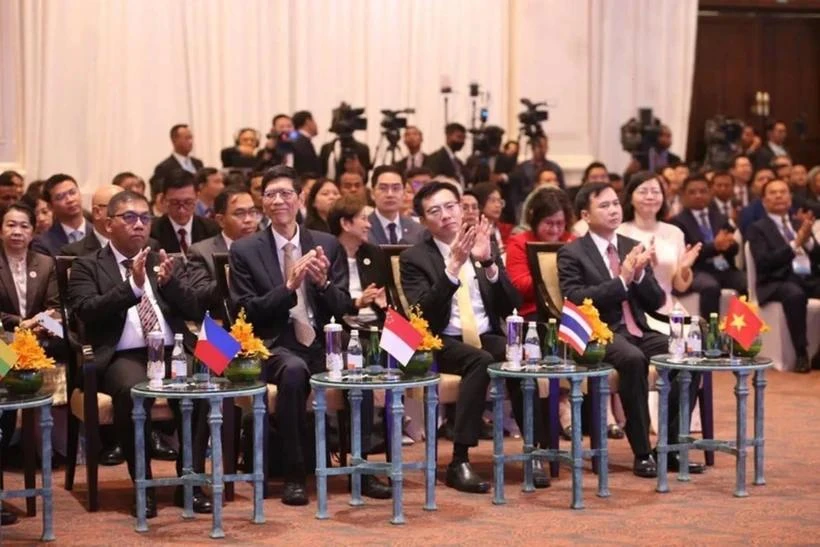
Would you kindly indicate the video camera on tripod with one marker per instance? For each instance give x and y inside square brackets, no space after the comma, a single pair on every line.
[532,117]
[344,121]
[722,136]
[393,122]
[639,135]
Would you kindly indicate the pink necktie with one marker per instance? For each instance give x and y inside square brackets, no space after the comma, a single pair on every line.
[629,319]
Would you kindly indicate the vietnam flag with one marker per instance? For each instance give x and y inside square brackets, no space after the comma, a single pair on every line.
[742,323]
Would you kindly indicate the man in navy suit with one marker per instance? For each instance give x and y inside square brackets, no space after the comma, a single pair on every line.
[387,226]
[63,194]
[180,159]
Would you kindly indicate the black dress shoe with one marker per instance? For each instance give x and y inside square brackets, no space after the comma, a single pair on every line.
[645,467]
[566,433]
[160,449]
[7,518]
[462,477]
[150,505]
[801,364]
[540,477]
[674,465]
[201,503]
[294,494]
[614,431]
[446,431]
[112,455]
[486,433]
[372,487]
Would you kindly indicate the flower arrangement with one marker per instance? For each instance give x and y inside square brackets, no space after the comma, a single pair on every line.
[30,354]
[429,341]
[754,307]
[251,346]
[600,330]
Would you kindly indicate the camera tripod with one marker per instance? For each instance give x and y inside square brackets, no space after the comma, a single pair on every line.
[390,154]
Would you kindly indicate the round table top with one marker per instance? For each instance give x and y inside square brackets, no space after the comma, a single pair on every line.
[711,364]
[562,369]
[374,378]
[218,387]
[13,401]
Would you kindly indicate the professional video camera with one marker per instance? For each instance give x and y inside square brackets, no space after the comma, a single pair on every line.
[722,136]
[344,121]
[532,117]
[393,122]
[483,136]
[639,135]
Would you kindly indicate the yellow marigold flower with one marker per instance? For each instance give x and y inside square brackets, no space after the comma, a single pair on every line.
[251,346]
[429,341]
[30,355]
[600,330]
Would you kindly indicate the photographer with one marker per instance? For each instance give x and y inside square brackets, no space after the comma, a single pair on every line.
[243,155]
[657,155]
[278,148]
[487,162]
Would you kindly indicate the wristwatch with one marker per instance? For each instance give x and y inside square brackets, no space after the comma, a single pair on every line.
[324,287]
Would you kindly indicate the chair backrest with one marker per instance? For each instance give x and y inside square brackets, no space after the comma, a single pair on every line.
[543,261]
[222,271]
[395,293]
[751,272]
[63,269]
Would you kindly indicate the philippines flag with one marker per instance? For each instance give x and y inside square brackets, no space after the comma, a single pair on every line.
[215,347]
[575,330]
[399,338]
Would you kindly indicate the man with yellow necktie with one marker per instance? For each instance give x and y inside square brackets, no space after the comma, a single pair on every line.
[464,292]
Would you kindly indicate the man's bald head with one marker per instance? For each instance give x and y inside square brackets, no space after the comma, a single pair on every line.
[99,205]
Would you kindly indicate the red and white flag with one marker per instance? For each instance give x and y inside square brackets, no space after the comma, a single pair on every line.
[399,338]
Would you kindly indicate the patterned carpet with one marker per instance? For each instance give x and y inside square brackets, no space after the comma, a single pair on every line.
[785,511]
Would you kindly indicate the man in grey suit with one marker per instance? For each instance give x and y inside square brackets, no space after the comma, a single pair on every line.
[387,226]
[236,214]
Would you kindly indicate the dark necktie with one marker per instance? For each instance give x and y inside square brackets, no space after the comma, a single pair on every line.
[787,230]
[629,319]
[391,236]
[705,228]
[183,243]
[145,311]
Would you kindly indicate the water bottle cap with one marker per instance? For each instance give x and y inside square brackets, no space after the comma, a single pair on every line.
[354,332]
[178,336]
[531,324]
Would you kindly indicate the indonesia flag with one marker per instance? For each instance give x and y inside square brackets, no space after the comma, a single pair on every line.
[399,338]
[215,347]
[575,329]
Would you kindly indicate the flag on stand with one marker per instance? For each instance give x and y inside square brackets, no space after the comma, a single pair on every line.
[399,338]
[215,347]
[742,323]
[7,358]
[575,329]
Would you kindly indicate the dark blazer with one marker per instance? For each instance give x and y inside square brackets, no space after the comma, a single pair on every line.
[520,183]
[232,157]
[373,267]
[478,168]
[41,289]
[411,231]
[100,298]
[690,226]
[773,257]
[424,282]
[440,164]
[305,159]
[362,151]
[52,240]
[582,274]
[90,244]
[258,286]
[163,231]
[401,165]
[763,157]
[165,169]
[202,273]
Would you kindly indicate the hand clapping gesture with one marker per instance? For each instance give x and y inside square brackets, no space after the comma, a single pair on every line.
[166,267]
[460,250]
[138,267]
[690,255]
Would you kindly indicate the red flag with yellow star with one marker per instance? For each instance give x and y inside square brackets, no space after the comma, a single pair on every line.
[742,323]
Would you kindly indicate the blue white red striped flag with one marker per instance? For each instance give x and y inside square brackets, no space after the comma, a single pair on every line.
[575,329]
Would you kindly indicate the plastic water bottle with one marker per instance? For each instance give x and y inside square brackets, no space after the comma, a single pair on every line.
[515,335]
[355,358]
[713,337]
[179,362]
[532,346]
[694,339]
[677,342]
[333,350]
[156,359]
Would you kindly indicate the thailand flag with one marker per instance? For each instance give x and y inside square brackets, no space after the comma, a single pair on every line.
[215,347]
[575,330]
[399,338]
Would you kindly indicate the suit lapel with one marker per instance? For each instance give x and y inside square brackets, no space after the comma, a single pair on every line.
[7,281]
[37,274]
[269,255]
[108,264]
[378,230]
[595,256]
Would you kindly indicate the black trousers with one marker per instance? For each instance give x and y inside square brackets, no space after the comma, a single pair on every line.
[708,285]
[127,369]
[794,295]
[471,364]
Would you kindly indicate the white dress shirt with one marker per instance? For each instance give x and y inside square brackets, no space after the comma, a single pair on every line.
[228,241]
[725,208]
[778,221]
[185,162]
[280,242]
[355,288]
[132,336]
[188,227]
[482,320]
[415,160]
[101,238]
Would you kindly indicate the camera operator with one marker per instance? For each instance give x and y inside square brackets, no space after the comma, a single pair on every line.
[444,161]
[658,155]
[278,148]
[415,157]
[487,162]
[523,178]
[776,137]
[337,156]
[305,159]
[242,155]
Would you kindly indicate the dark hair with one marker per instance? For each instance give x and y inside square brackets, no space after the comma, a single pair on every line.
[304,177]
[6,177]
[313,220]
[23,207]
[236,178]
[636,180]
[120,177]
[301,118]
[482,192]
[737,157]
[546,169]
[454,127]
[202,175]
[345,208]
[416,171]
[544,203]
[587,191]
[590,167]
[279,117]
[123,197]
[175,129]
[720,173]
[614,177]
[281,172]
[177,180]
[508,143]
[381,170]
[224,197]
[53,181]
[771,125]
[764,168]
[428,190]
[763,189]
[35,190]
[697,177]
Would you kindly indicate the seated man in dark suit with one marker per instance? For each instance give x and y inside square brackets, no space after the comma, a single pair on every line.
[291,282]
[444,161]
[415,157]
[238,218]
[180,159]
[615,272]
[387,226]
[120,294]
[180,228]
[787,260]
[63,195]
[702,222]
[463,292]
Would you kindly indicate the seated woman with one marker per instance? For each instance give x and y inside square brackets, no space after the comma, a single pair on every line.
[491,206]
[42,212]
[320,200]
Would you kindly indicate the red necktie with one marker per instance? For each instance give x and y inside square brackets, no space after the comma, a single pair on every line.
[183,243]
[629,319]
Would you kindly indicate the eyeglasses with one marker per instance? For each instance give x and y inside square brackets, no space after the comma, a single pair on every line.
[63,195]
[284,193]
[436,210]
[643,192]
[245,213]
[388,188]
[181,203]
[131,218]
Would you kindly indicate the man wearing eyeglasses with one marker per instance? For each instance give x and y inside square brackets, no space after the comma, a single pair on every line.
[121,293]
[179,228]
[463,291]
[238,217]
[387,225]
[63,195]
